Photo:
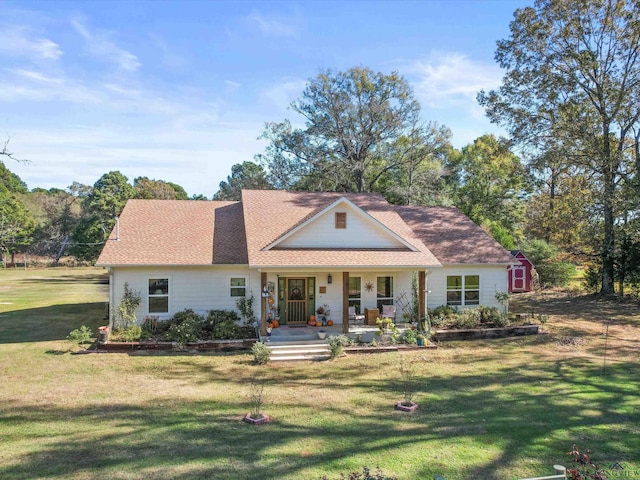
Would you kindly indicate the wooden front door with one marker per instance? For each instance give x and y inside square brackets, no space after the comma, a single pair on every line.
[296,301]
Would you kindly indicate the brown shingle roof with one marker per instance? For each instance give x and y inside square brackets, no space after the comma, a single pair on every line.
[452,236]
[269,214]
[172,232]
[185,232]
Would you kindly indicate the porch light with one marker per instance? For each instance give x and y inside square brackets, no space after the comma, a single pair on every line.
[329,278]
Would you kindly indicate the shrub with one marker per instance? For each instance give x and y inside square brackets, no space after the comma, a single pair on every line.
[189,330]
[337,344]
[441,315]
[129,334]
[468,318]
[502,320]
[80,335]
[489,314]
[557,274]
[409,337]
[592,278]
[261,353]
[222,324]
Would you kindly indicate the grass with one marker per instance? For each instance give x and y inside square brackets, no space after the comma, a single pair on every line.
[503,409]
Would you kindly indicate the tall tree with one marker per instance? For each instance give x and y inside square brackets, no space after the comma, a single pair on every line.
[158,189]
[421,159]
[580,59]
[243,175]
[101,206]
[491,183]
[16,221]
[350,118]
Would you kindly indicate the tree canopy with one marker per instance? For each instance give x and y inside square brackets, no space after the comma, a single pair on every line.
[572,86]
[351,120]
[246,175]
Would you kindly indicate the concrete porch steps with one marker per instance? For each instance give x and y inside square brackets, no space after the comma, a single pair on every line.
[290,351]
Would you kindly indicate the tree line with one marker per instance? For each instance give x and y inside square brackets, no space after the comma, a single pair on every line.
[564,182]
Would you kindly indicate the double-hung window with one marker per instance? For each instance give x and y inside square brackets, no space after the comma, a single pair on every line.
[158,295]
[238,287]
[463,290]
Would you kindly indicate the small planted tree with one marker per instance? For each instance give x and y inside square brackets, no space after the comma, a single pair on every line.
[407,384]
[126,311]
[256,401]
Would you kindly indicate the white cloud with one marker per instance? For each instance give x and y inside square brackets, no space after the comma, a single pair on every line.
[231,86]
[273,26]
[19,41]
[285,92]
[34,76]
[449,79]
[100,45]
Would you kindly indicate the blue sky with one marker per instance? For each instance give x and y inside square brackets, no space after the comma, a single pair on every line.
[181,90]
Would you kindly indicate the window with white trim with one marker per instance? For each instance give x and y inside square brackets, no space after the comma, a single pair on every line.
[238,287]
[463,290]
[158,295]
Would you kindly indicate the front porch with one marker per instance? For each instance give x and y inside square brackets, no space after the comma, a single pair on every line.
[304,333]
[293,299]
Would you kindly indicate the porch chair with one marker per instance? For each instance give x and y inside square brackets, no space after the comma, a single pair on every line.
[389,311]
[354,318]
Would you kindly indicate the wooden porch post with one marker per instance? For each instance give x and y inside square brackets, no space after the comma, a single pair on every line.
[345,302]
[421,296]
[263,304]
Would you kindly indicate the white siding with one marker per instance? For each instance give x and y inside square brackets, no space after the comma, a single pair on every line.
[492,279]
[361,232]
[201,289]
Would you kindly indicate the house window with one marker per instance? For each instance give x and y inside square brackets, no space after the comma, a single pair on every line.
[463,290]
[158,295]
[341,219]
[385,291]
[238,286]
[355,293]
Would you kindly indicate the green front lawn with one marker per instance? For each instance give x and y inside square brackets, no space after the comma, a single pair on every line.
[503,409]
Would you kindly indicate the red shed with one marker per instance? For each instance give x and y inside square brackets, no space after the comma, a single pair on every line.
[520,276]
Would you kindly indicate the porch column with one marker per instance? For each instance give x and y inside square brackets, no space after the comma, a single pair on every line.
[263,304]
[345,302]
[421,295]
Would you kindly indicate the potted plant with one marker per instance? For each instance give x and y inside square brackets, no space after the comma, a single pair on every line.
[420,340]
[322,334]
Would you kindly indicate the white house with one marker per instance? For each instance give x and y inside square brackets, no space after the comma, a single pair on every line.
[296,251]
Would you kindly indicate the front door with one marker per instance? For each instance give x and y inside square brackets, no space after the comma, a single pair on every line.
[296,301]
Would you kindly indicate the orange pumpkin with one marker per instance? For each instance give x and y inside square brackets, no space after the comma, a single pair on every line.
[329,323]
[270,325]
[312,323]
[318,324]
[312,318]
[275,324]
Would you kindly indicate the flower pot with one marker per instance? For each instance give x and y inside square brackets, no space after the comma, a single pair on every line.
[322,335]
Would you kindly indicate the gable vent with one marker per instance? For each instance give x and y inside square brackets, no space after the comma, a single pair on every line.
[341,219]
